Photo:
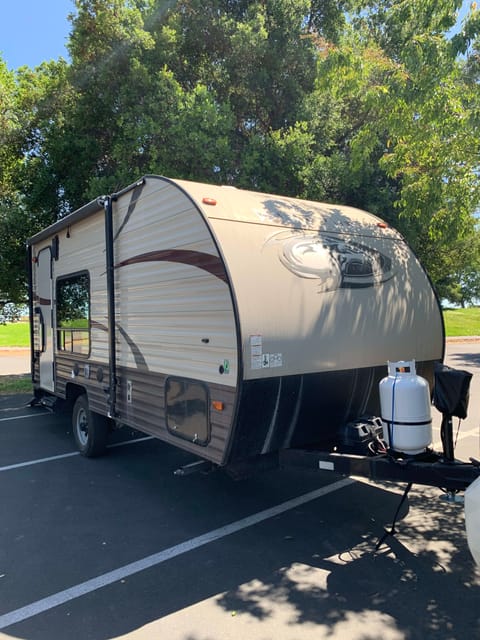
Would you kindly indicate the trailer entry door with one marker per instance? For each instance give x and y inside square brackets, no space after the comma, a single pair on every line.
[44,310]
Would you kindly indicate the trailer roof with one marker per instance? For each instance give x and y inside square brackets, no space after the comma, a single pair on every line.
[230,203]
[79,214]
[239,205]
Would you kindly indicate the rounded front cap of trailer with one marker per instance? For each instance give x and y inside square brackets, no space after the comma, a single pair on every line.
[319,287]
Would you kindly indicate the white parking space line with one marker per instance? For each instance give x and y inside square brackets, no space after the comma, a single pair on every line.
[28,415]
[29,463]
[45,604]
[21,408]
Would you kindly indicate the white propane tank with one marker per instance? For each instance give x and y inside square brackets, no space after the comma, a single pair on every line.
[472,518]
[405,409]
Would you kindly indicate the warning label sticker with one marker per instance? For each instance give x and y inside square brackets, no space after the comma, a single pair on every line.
[260,360]
[256,341]
[276,360]
[256,362]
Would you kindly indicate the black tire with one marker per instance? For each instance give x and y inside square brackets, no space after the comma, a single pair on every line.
[90,429]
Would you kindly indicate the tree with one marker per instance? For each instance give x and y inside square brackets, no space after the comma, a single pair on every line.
[8,125]
[250,54]
[409,117]
[108,38]
[460,283]
[31,194]
[14,229]
[364,102]
[43,101]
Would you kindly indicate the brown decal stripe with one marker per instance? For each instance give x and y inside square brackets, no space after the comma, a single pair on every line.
[98,325]
[137,192]
[137,354]
[44,301]
[205,261]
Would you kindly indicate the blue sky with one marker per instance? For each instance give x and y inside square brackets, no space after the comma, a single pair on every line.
[32,31]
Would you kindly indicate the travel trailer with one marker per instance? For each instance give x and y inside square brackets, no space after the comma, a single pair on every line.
[229,323]
[248,329]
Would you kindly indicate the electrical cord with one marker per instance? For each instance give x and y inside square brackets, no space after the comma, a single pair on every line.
[458,431]
[377,446]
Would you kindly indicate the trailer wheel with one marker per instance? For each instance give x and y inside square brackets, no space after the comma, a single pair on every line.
[90,429]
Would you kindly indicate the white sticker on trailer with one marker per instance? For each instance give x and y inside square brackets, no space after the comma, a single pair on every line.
[276,360]
[256,341]
[327,466]
[256,362]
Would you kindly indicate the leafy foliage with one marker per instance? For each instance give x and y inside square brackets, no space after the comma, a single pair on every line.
[366,102]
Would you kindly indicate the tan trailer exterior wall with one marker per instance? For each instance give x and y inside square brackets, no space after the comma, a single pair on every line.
[170,309]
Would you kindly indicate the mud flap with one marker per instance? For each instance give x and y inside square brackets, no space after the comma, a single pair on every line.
[472,518]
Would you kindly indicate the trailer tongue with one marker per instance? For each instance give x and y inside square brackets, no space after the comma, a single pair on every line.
[403,454]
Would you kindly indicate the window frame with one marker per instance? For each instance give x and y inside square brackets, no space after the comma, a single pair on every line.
[62,332]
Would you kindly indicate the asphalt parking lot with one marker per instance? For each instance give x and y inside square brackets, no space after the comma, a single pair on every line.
[120,547]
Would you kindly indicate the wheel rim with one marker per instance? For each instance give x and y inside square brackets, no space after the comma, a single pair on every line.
[81,427]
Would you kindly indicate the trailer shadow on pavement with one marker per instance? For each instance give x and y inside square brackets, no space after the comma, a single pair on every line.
[259,587]
[394,593]
[417,585]
[308,571]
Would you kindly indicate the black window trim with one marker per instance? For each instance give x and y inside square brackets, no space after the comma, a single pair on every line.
[58,280]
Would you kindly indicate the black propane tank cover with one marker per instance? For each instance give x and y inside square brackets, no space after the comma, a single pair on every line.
[451,390]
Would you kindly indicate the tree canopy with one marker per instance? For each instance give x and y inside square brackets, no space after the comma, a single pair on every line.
[371,103]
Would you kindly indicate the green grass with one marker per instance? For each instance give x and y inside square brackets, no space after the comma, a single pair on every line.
[462,322]
[15,384]
[458,322]
[15,334]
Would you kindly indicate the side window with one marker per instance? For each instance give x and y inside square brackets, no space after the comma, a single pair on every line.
[187,405]
[73,313]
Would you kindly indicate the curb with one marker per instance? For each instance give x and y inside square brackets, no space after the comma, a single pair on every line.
[12,351]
